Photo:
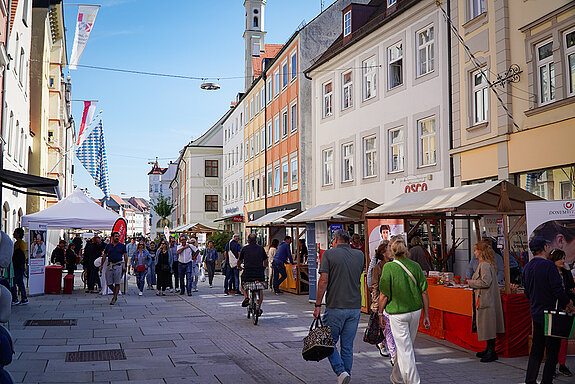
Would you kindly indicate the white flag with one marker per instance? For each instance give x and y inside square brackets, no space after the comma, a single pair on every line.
[85,22]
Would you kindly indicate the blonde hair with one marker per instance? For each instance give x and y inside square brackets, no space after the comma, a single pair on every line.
[486,252]
[398,247]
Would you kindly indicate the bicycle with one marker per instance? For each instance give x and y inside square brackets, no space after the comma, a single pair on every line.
[253,289]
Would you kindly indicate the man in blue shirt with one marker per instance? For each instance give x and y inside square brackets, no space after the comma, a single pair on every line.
[282,255]
[544,290]
[210,258]
[117,257]
[232,280]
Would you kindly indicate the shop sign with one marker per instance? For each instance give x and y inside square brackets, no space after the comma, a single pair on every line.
[238,219]
[415,187]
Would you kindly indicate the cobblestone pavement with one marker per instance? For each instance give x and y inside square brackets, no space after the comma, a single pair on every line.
[207,338]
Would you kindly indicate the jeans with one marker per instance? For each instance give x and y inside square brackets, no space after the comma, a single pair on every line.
[551,347]
[19,283]
[176,270]
[280,274]
[404,330]
[232,280]
[92,277]
[185,270]
[141,279]
[195,275]
[343,323]
[151,276]
[211,270]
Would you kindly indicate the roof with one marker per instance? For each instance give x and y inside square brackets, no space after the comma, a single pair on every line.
[380,17]
[117,199]
[270,51]
[491,197]
[156,170]
[342,211]
[197,227]
[273,218]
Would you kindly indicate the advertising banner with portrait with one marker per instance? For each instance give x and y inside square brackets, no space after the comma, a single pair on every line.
[37,258]
[382,229]
[554,220]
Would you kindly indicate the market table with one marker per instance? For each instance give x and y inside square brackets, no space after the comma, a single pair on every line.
[450,316]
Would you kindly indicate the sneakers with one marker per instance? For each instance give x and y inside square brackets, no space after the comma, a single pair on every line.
[17,302]
[140,293]
[565,371]
[246,302]
[189,293]
[382,350]
[25,301]
[343,378]
[158,293]
[195,290]
[210,286]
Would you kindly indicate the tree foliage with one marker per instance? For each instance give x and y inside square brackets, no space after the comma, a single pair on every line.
[220,239]
[163,207]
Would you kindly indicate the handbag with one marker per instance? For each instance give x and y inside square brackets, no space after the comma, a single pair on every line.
[202,274]
[373,333]
[318,344]
[140,268]
[559,324]
[232,258]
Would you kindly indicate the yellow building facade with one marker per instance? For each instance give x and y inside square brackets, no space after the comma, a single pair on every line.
[514,104]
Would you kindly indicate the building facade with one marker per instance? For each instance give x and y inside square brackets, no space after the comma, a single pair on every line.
[159,180]
[197,185]
[379,99]
[17,131]
[233,164]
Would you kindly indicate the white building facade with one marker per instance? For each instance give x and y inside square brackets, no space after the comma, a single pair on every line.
[16,129]
[159,180]
[233,171]
[380,115]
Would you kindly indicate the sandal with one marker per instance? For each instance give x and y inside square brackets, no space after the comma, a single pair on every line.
[113,301]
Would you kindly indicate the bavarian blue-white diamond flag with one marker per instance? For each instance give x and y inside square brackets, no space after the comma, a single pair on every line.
[92,155]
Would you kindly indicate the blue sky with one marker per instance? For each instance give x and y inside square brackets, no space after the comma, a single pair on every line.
[144,116]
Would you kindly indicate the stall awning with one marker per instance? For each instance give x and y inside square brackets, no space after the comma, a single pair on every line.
[197,227]
[12,179]
[273,218]
[491,197]
[345,211]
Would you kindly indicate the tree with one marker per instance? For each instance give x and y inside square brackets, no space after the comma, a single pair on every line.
[220,239]
[164,208]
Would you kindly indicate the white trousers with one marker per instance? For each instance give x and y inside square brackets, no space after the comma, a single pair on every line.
[404,330]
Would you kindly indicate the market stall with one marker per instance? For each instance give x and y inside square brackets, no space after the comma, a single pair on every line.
[450,307]
[321,222]
[272,225]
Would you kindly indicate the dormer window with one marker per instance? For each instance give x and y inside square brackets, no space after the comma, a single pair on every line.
[347,23]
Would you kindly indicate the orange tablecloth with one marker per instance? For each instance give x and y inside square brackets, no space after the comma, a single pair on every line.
[453,300]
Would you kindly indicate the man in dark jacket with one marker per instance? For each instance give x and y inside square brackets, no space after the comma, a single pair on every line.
[232,280]
[58,254]
[92,251]
[282,255]
[544,290]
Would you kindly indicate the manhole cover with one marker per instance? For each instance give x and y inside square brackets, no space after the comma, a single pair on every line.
[51,323]
[286,344]
[103,355]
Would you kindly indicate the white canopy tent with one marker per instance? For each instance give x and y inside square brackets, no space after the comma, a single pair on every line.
[75,211]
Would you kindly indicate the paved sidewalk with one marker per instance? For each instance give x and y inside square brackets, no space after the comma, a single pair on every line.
[207,338]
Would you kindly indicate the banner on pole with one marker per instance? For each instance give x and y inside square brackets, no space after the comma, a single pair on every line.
[37,260]
[84,23]
[87,115]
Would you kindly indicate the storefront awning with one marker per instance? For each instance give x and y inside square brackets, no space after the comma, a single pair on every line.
[273,218]
[12,179]
[491,197]
[224,218]
[345,211]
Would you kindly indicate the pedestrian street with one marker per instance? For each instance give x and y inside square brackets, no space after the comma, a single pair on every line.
[206,338]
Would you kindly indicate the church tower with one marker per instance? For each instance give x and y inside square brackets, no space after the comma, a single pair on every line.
[254,35]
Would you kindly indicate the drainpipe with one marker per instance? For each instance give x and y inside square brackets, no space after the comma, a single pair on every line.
[450,94]
[265,137]
[3,121]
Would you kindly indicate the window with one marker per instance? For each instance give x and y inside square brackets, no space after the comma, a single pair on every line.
[257,107]
[251,109]
[327,99]
[546,72]
[257,143]
[425,53]
[211,168]
[263,183]
[293,117]
[262,98]
[277,179]
[285,74]
[294,65]
[251,147]
[263,139]
[276,82]
[252,189]
[347,23]
[255,22]
[270,182]
[427,147]
[369,69]
[476,8]
[285,176]
[327,166]
[270,90]
[257,187]
[285,123]
[241,120]
[247,152]
[269,134]
[240,151]
[369,156]
[347,90]
[211,203]
[276,129]
[480,97]
[570,53]
[395,65]
[347,162]
[256,47]
[22,66]
[396,150]
[10,141]
[294,174]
